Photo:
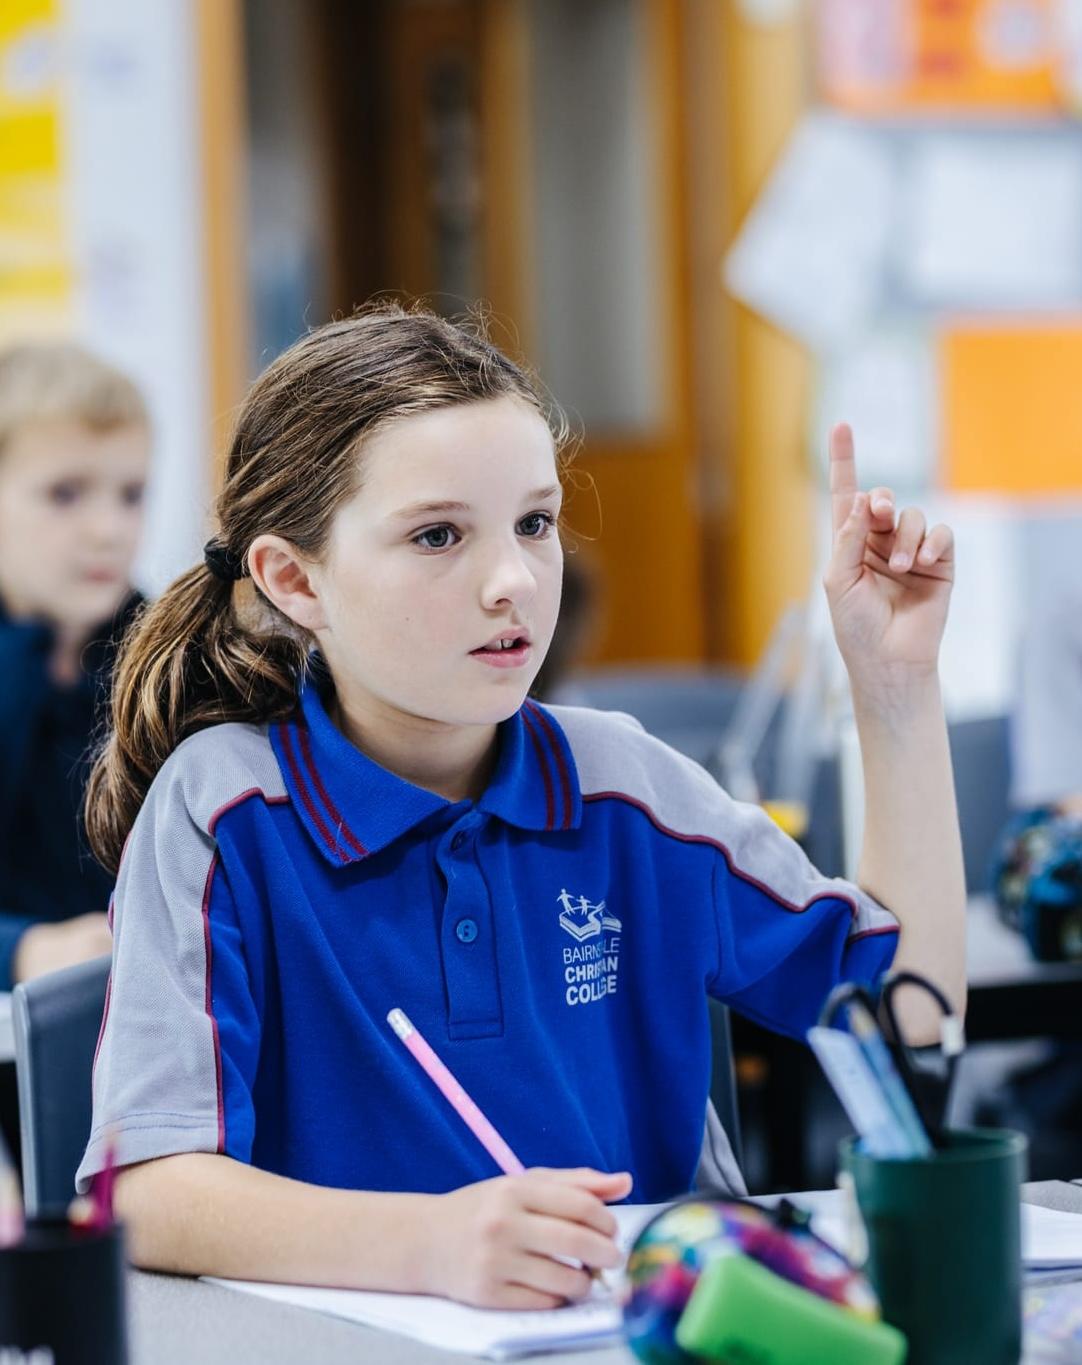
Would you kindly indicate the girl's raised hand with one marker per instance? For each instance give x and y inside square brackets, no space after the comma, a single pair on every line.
[888,581]
[521,1241]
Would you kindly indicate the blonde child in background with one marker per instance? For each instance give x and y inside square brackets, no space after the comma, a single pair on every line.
[74,449]
[334,798]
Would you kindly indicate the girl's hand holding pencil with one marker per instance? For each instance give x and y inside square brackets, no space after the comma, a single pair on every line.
[529,1239]
[522,1241]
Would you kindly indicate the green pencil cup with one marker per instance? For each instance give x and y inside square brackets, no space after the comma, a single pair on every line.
[945,1244]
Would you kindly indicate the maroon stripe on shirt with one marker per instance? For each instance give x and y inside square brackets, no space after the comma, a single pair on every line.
[550,803]
[104,1018]
[209,1004]
[321,792]
[736,871]
[212,823]
[561,763]
[306,796]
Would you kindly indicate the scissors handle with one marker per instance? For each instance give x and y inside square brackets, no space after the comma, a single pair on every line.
[929,1091]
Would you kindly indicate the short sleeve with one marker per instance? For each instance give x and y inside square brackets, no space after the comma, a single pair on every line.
[786,934]
[179,1042]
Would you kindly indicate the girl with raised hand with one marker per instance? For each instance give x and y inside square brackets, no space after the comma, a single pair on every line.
[335,798]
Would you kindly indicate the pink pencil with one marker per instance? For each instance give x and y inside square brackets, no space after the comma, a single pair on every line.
[11,1203]
[101,1191]
[11,1210]
[455,1096]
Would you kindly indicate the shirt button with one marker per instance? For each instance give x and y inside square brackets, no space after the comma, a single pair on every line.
[466,930]
[459,839]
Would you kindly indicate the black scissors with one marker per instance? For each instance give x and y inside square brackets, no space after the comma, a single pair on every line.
[929,1086]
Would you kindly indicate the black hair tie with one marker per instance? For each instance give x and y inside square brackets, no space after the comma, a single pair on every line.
[222,562]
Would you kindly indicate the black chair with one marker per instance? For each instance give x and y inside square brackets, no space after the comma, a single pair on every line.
[687,707]
[57,1019]
[723,1078]
[980,753]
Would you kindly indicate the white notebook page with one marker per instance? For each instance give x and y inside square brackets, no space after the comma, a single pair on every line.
[495,1333]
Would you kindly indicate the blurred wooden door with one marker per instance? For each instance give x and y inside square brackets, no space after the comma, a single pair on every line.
[529,154]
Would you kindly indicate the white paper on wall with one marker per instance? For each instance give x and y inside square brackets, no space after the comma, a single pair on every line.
[884,386]
[136,207]
[811,253]
[978,659]
[1066,20]
[993,223]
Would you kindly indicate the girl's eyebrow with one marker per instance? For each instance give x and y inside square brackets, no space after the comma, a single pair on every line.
[554,490]
[418,509]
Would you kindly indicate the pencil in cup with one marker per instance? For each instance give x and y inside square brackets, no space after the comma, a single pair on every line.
[461,1103]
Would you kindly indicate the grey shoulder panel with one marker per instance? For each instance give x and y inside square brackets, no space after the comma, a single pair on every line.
[157,1087]
[616,757]
[217,767]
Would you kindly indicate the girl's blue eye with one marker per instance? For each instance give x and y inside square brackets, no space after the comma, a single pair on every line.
[436,538]
[537,525]
[133,495]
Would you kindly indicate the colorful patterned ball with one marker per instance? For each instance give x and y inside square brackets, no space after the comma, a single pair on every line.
[671,1252]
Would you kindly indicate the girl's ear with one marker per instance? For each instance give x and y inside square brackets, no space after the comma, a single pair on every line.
[284,577]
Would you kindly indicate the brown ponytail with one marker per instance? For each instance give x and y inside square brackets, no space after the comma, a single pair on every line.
[210,650]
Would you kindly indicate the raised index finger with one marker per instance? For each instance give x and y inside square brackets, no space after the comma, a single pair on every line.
[843,474]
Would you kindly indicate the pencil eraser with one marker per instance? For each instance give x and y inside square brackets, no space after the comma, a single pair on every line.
[739,1310]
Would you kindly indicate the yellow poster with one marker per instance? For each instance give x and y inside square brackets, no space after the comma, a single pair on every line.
[905,56]
[36,271]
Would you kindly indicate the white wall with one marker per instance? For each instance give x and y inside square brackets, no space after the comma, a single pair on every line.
[132,136]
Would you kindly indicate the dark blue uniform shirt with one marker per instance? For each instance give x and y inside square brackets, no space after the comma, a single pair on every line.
[46,732]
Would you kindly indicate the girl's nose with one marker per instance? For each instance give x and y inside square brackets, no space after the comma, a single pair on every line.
[509,579]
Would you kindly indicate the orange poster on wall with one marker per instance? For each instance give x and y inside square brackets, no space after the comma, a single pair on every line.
[1011,408]
[898,56]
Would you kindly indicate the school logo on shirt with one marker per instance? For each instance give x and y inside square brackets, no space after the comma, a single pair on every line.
[591,966]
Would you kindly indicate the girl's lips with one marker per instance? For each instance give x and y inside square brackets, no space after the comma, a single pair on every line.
[503,658]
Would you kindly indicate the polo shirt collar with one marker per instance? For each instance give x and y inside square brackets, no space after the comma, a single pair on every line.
[536,783]
[352,807]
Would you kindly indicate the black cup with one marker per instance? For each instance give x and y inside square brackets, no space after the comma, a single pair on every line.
[62,1291]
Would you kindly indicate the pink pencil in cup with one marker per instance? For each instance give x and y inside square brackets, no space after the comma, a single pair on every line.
[463,1106]
[11,1203]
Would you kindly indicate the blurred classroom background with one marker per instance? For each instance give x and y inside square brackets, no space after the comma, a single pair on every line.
[715,227]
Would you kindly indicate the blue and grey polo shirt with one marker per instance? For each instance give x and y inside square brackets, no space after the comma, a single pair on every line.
[555,941]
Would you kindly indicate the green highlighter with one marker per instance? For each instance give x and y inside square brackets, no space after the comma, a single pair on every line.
[740,1313]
